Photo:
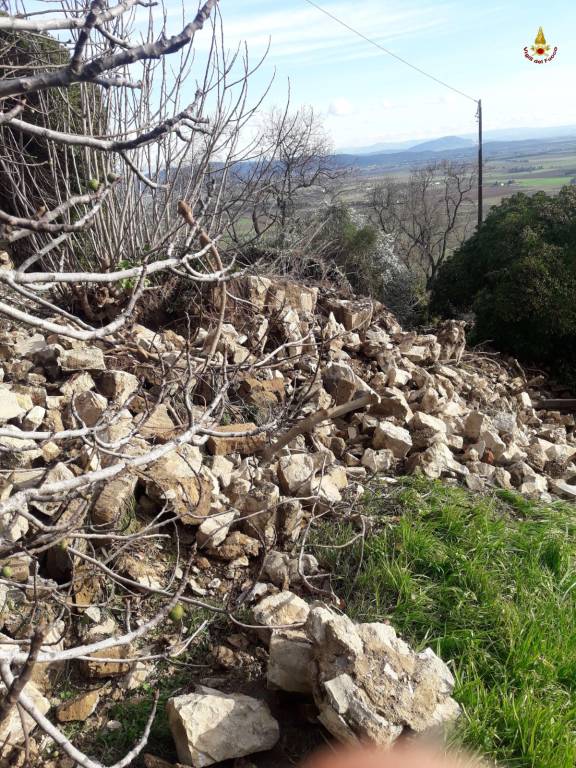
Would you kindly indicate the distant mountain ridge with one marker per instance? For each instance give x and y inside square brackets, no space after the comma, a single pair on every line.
[420,155]
[442,144]
[499,134]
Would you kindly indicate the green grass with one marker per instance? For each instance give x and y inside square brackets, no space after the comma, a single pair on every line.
[490,584]
[133,713]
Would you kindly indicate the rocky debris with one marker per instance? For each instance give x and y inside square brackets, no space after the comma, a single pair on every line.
[10,407]
[106,663]
[78,709]
[290,661]
[175,479]
[209,726]
[367,683]
[394,438]
[227,444]
[434,409]
[280,611]
[430,414]
[82,359]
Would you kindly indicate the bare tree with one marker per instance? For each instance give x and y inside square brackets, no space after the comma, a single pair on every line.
[426,215]
[295,158]
[116,222]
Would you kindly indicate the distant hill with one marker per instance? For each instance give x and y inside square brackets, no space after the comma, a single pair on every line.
[418,156]
[442,144]
[455,142]
[382,148]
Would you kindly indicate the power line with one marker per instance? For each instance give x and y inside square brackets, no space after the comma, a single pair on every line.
[390,53]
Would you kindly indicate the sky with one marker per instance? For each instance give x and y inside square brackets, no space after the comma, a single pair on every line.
[364,96]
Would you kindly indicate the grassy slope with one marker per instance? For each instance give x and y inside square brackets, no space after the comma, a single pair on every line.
[490,584]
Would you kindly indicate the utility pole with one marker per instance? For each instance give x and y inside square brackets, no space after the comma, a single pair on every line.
[480,166]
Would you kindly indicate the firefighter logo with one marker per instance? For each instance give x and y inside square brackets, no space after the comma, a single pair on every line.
[540,52]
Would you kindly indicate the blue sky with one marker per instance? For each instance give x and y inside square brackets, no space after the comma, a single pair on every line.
[366,96]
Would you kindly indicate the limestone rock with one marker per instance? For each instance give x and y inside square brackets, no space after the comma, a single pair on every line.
[289,662]
[236,545]
[59,472]
[281,610]
[265,393]
[114,501]
[222,468]
[343,384]
[13,526]
[326,491]
[299,298]
[80,382]
[474,425]
[209,726]
[19,451]
[393,403]
[564,489]
[82,359]
[90,406]
[10,407]
[369,685]
[355,315]
[245,444]
[283,570]
[174,479]
[214,529]
[34,418]
[396,439]
[79,708]
[254,289]
[378,461]
[295,474]
[118,385]
[158,425]
[95,669]
[436,461]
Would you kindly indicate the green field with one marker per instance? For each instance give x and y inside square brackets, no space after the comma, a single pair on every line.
[503,177]
[543,183]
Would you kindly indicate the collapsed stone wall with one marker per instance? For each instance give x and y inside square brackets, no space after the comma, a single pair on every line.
[241,496]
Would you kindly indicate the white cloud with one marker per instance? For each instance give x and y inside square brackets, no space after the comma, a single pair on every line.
[340,107]
[306,32]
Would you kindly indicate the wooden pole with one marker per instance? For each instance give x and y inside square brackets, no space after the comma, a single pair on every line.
[480,167]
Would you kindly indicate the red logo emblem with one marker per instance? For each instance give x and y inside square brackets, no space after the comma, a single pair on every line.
[539,53]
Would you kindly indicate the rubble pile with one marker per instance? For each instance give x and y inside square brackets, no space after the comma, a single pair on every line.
[368,684]
[243,498]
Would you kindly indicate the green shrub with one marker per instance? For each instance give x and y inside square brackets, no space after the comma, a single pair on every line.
[518,276]
[367,259]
